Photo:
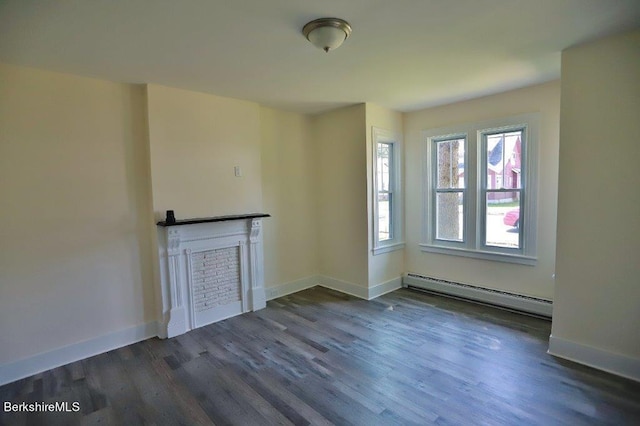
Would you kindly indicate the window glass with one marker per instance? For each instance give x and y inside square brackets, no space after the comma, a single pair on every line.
[503,221]
[449,169]
[504,160]
[450,163]
[384,172]
[449,216]
[384,215]
[503,171]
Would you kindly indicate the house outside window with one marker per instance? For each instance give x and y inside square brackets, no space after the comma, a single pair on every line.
[480,181]
[502,195]
[387,192]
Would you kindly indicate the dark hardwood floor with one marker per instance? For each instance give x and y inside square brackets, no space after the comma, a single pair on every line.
[320,357]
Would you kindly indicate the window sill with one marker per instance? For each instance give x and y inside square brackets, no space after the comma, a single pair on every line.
[387,248]
[478,254]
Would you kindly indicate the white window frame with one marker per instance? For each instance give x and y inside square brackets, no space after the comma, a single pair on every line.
[434,192]
[473,244]
[396,242]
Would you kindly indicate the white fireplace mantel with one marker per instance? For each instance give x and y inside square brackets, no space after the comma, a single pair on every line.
[210,269]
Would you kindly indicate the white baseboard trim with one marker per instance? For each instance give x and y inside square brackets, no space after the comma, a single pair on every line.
[620,365]
[334,284]
[384,288]
[74,352]
[291,287]
[505,299]
[344,287]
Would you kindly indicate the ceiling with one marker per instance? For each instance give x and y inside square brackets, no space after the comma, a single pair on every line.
[402,54]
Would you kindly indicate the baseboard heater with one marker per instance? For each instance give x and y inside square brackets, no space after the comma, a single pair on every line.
[502,299]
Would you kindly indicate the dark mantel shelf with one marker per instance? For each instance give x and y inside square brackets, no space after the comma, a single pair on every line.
[214,219]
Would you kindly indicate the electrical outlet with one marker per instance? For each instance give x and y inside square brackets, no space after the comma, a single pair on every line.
[237,171]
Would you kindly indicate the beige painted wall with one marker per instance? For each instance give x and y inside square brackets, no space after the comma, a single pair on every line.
[196,139]
[528,280]
[597,300]
[289,195]
[385,266]
[340,144]
[74,235]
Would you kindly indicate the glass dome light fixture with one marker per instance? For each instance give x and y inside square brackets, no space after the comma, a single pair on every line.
[327,33]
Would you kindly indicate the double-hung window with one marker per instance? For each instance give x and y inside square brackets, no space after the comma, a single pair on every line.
[502,187]
[449,188]
[480,181]
[387,195]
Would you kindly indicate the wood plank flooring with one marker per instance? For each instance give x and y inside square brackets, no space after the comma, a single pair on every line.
[320,357]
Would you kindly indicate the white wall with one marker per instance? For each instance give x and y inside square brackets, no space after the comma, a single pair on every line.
[383,267]
[597,298]
[289,194]
[340,146]
[529,280]
[196,139]
[78,239]
[317,185]
[74,235]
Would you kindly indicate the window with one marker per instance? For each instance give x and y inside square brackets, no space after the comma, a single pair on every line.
[449,188]
[480,187]
[502,195]
[384,170]
[387,196]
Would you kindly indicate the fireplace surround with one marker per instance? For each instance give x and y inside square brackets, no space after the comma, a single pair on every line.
[210,269]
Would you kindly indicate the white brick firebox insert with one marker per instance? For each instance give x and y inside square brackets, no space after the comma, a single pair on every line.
[210,269]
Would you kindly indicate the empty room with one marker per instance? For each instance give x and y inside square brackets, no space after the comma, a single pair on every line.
[336,212]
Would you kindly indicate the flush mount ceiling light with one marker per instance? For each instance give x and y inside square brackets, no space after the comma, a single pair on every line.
[327,33]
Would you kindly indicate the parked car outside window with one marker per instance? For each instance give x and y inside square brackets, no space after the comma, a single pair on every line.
[512,218]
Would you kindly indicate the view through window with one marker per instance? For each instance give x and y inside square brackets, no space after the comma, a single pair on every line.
[450,189]
[384,171]
[480,185]
[503,185]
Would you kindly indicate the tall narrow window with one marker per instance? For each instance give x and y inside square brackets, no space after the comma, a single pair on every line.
[387,195]
[502,188]
[385,190]
[449,189]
